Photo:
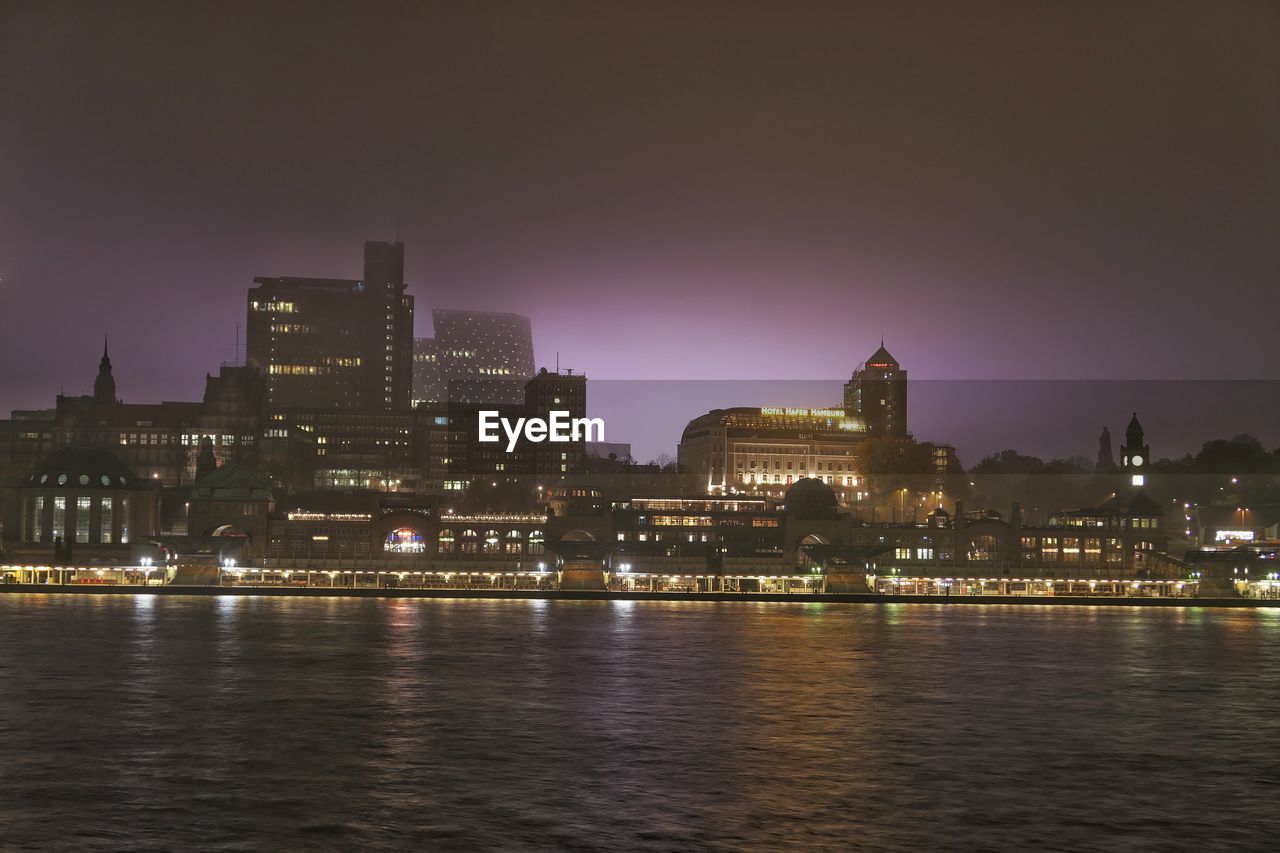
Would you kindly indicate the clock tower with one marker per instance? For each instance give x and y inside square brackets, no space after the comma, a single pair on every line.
[1135,457]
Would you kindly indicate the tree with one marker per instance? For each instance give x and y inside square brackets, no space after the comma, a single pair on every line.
[665,463]
[896,463]
[1242,454]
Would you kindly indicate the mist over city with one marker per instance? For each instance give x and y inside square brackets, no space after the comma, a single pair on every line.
[639,426]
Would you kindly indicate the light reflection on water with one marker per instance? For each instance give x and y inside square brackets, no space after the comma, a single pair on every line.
[250,723]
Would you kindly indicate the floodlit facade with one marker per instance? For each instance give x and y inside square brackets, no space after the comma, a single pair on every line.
[765,450]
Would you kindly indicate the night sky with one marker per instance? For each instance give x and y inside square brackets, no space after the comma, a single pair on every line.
[670,190]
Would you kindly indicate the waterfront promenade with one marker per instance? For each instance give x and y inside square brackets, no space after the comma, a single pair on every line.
[631,595]
[814,586]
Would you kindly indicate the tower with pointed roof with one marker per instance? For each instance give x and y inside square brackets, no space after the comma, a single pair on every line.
[104,387]
[1135,455]
[1106,459]
[877,393]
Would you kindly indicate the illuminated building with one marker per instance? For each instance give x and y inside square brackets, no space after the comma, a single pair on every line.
[475,357]
[767,449]
[400,531]
[86,505]
[328,343]
[877,393]
[762,451]
[353,448]
[158,441]
[733,533]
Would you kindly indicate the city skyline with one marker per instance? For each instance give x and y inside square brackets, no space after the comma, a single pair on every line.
[639,425]
[781,201]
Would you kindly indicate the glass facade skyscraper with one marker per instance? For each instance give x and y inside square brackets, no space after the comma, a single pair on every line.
[475,357]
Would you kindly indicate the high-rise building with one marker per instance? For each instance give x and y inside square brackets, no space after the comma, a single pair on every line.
[475,357]
[877,392]
[427,387]
[336,343]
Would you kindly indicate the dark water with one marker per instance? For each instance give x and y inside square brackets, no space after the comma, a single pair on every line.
[273,723]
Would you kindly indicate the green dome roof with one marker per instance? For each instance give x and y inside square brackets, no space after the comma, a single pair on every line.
[232,482]
[83,468]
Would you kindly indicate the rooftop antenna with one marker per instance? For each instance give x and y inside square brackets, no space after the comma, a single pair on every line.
[557,361]
[397,228]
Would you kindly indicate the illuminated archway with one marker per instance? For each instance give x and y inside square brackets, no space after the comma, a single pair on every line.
[577,536]
[404,540]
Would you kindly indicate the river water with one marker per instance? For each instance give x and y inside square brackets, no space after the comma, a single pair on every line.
[232,723]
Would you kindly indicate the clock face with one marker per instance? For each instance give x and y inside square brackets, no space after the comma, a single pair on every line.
[1137,460]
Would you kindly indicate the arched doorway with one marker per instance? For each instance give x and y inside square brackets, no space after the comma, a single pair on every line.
[404,540]
[812,539]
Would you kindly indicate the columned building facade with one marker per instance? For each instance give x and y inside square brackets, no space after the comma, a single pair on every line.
[86,505]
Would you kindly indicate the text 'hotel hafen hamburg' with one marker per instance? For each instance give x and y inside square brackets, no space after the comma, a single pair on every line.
[765,450]
[311,464]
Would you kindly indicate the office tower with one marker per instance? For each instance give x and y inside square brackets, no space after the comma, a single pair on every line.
[329,343]
[475,357]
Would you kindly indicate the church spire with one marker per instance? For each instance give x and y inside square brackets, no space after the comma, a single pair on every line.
[1106,459]
[104,387]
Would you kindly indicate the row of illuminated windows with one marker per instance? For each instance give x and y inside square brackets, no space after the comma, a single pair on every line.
[1109,521]
[793,464]
[790,478]
[682,521]
[1069,544]
[447,535]
[643,536]
[1048,557]
[471,542]
[678,503]
[140,439]
[292,329]
[298,370]
[278,307]
[79,513]
[705,521]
